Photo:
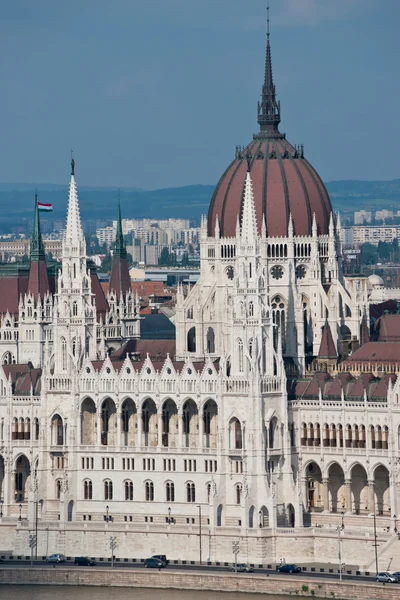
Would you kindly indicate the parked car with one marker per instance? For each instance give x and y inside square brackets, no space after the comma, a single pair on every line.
[288,569]
[161,557]
[154,563]
[397,575]
[55,558]
[84,561]
[386,577]
[241,568]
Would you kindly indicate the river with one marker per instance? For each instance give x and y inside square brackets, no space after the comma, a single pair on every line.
[41,592]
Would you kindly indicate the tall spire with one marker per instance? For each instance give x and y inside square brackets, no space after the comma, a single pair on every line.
[120,280]
[120,247]
[73,234]
[37,246]
[249,221]
[38,283]
[269,110]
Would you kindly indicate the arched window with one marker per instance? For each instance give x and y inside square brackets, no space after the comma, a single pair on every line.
[238,493]
[190,492]
[36,428]
[74,308]
[128,490]
[108,490]
[251,309]
[191,340]
[58,489]
[58,430]
[210,340]
[169,492]
[87,489]
[149,490]
[279,318]
[240,356]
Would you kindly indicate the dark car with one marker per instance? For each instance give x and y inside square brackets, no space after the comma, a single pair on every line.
[385,577]
[154,563]
[288,569]
[161,557]
[84,561]
[55,558]
[397,575]
[241,568]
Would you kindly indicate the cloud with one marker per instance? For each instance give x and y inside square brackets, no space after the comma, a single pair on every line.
[312,12]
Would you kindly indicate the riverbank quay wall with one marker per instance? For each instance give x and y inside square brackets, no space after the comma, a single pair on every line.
[169,579]
[303,545]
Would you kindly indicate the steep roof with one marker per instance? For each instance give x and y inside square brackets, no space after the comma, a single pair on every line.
[327,347]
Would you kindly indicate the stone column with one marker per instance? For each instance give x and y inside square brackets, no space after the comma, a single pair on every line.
[393,498]
[79,431]
[371,496]
[98,421]
[7,486]
[325,490]
[180,429]
[201,430]
[349,507]
[159,429]
[139,428]
[304,490]
[118,429]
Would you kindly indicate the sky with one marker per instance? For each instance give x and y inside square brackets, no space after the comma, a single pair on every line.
[157,93]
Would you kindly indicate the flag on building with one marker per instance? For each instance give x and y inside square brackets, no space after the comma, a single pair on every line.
[45,207]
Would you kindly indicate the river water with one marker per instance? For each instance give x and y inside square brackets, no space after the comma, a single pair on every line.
[39,592]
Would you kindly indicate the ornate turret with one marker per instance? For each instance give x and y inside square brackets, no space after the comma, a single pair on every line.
[269,109]
[38,284]
[120,281]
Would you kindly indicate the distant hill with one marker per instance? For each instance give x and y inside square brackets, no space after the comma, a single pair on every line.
[189,202]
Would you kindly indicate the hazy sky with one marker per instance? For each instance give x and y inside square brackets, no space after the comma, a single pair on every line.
[157,93]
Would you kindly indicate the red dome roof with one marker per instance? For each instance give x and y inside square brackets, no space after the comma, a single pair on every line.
[284,182]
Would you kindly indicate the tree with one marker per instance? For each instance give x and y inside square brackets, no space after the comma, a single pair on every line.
[164,258]
[106,263]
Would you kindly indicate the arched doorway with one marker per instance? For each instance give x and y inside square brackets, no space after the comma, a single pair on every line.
[128,422]
[190,417]
[108,423]
[88,422]
[359,489]
[336,487]
[314,497]
[22,476]
[290,515]
[169,424]
[382,496]
[210,418]
[149,423]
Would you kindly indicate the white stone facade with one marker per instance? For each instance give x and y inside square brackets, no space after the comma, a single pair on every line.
[211,432]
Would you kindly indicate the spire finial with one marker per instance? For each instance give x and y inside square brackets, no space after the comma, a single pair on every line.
[269,110]
[37,246]
[120,248]
[72,163]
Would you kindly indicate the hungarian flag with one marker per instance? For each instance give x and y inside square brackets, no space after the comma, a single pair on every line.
[45,207]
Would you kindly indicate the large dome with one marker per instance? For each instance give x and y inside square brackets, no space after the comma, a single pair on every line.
[284,182]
